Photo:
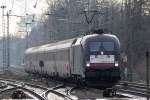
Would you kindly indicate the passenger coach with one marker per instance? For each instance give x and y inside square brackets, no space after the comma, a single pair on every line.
[92,58]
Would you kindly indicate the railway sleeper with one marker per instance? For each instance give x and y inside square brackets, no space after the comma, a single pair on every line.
[109,92]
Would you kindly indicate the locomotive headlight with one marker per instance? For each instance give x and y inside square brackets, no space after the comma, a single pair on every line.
[87,64]
[116,64]
[102,52]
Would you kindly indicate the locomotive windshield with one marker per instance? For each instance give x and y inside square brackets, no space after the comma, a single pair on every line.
[101,46]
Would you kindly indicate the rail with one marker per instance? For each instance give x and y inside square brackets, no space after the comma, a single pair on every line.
[138,89]
[9,85]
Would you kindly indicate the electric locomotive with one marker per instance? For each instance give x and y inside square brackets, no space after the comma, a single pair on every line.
[93,59]
[102,59]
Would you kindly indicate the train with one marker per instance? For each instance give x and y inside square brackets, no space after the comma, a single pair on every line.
[93,59]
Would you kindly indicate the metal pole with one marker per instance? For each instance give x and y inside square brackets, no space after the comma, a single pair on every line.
[8,42]
[26,37]
[147,73]
[4,41]
[89,27]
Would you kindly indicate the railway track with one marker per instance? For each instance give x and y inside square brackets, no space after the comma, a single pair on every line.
[67,91]
[35,91]
[139,89]
[13,86]
[77,92]
[58,93]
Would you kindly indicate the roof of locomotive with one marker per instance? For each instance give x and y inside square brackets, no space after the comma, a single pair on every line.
[100,37]
[69,42]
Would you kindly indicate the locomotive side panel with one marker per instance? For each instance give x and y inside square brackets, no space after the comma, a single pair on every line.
[49,64]
[33,62]
[45,59]
[40,62]
[58,61]
[39,58]
[31,59]
[62,62]
[77,55]
[37,63]
[27,62]
[46,63]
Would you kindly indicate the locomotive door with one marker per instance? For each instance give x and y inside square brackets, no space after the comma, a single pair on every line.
[55,67]
[76,60]
[71,60]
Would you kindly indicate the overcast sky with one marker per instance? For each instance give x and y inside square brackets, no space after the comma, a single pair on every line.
[21,7]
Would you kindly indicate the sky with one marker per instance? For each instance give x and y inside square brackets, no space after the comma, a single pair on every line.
[20,7]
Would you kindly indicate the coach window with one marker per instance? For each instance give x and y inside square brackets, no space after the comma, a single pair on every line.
[41,63]
[30,63]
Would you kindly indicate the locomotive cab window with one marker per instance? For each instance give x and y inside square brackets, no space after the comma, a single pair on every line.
[95,46]
[108,46]
[101,46]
